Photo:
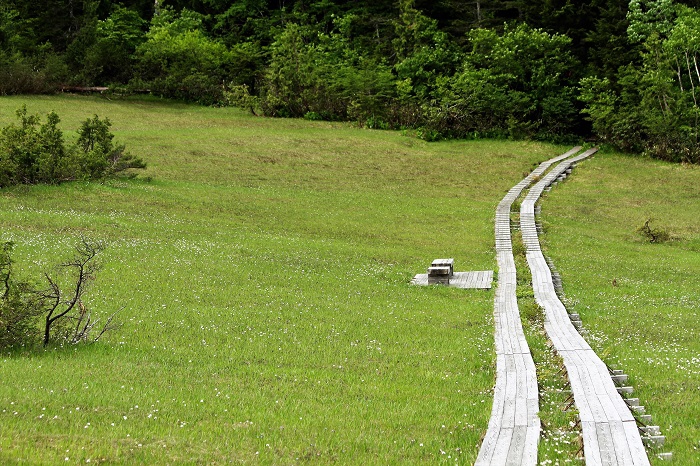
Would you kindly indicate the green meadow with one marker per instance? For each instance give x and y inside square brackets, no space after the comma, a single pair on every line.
[262,269]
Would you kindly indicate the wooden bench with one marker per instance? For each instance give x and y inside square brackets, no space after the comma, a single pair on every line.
[441,271]
[439,275]
[450,263]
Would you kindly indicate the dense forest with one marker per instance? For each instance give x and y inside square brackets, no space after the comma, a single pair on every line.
[626,73]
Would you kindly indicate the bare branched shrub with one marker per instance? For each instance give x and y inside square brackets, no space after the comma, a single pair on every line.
[59,308]
[653,235]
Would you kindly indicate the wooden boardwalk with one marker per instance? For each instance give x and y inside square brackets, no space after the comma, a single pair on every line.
[514,427]
[480,280]
[610,434]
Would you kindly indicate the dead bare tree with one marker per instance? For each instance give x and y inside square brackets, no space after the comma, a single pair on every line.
[68,306]
[59,308]
[6,268]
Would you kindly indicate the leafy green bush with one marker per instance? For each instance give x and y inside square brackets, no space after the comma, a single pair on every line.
[19,317]
[653,108]
[323,76]
[108,56]
[25,66]
[329,76]
[30,75]
[97,155]
[425,53]
[293,84]
[515,84]
[35,152]
[178,60]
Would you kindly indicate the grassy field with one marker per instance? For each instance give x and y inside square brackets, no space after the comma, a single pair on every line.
[640,302]
[268,318]
[264,274]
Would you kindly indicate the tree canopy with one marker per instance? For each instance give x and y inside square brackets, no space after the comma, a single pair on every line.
[623,71]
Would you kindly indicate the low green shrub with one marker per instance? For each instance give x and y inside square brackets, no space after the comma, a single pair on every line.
[30,75]
[34,152]
[18,317]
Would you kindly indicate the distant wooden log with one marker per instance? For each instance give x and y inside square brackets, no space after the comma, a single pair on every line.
[103,89]
[85,89]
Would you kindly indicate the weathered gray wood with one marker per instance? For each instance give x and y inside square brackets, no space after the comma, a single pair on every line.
[444,263]
[650,430]
[439,275]
[609,430]
[439,270]
[514,427]
[517,445]
[481,280]
[654,441]
[639,454]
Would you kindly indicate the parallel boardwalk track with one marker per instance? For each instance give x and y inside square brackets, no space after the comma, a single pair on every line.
[514,426]
[610,434]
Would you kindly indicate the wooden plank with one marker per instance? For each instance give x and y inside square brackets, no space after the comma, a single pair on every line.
[439,270]
[521,399]
[488,446]
[622,451]
[517,446]
[482,280]
[637,450]
[532,437]
[591,449]
[510,393]
[586,387]
[444,262]
[585,412]
[605,444]
[499,393]
[500,452]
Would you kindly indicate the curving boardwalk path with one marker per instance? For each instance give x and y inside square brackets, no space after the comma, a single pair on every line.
[514,426]
[610,434]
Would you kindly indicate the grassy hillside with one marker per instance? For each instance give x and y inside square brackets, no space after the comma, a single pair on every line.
[268,318]
[264,274]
